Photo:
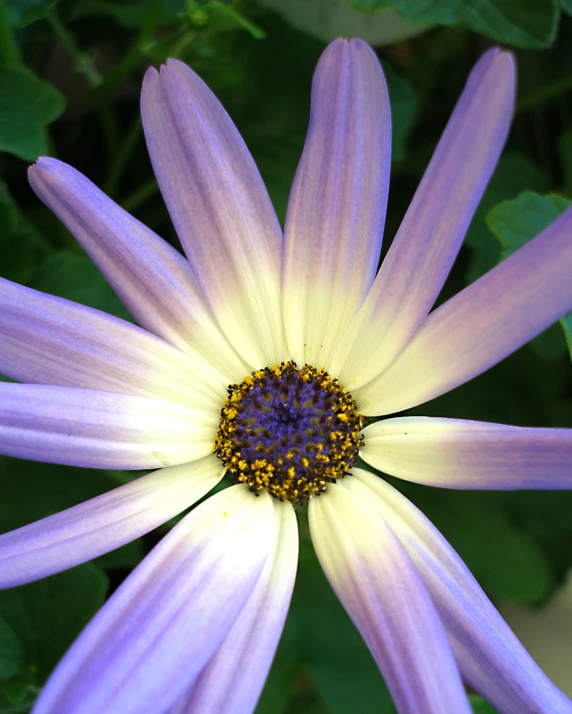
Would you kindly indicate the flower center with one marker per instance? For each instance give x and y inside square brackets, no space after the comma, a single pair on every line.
[288,430]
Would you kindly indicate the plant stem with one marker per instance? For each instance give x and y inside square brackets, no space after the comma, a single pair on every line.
[122,156]
[9,50]
[134,200]
[130,60]
[545,93]
[82,62]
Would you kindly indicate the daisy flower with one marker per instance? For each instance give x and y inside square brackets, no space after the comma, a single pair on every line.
[261,356]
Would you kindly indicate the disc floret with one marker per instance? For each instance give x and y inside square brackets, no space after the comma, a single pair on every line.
[289,431]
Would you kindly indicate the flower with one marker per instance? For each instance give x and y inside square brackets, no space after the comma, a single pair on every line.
[271,353]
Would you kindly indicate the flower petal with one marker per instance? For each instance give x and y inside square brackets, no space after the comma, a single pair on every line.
[101,524]
[490,657]
[80,427]
[336,211]
[232,681]
[49,340]
[219,206]
[482,324]
[152,279]
[165,622]
[433,229]
[382,593]
[456,453]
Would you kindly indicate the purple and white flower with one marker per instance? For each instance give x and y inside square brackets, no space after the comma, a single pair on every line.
[260,355]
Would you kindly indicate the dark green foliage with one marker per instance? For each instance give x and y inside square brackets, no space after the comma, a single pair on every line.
[88,57]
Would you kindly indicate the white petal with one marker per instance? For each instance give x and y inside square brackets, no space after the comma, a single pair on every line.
[153,280]
[220,208]
[49,340]
[430,236]
[380,589]
[104,523]
[82,427]
[165,622]
[232,681]
[490,657]
[458,453]
[336,210]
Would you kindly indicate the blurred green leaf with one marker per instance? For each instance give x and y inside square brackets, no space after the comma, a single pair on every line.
[565,152]
[271,103]
[48,489]
[75,277]
[51,488]
[14,692]
[514,174]
[530,24]
[129,13]
[27,106]
[480,705]
[227,10]
[12,653]
[47,616]
[505,559]
[515,222]
[566,323]
[23,12]
[566,6]
[343,669]
[17,241]
[126,556]
[279,688]
[404,106]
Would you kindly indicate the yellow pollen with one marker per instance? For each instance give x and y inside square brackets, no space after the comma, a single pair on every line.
[289,431]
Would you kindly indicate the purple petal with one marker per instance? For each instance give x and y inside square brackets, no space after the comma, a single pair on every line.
[49,340]
[232,681]
[481,325]
[336,211]
[433,229]
[80,427]
[490,657]
[219,206]
[168,618]
[382,593]
[101,524]
[456,453]
[152,279]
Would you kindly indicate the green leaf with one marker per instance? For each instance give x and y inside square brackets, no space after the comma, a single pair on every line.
[566,323]
[278,691]
[515,222]
[480,705]
[75,277]
[50,488]
[12,653]
[343,669]
[126,556]
[272,114]
[32,490]
[565,152]
[226,10]
[17,241]
[505,559]
[566,6]
[514,173]
[46,616]
[129,13]
[404,106]
[24,12]
[530,24]
[27,106]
